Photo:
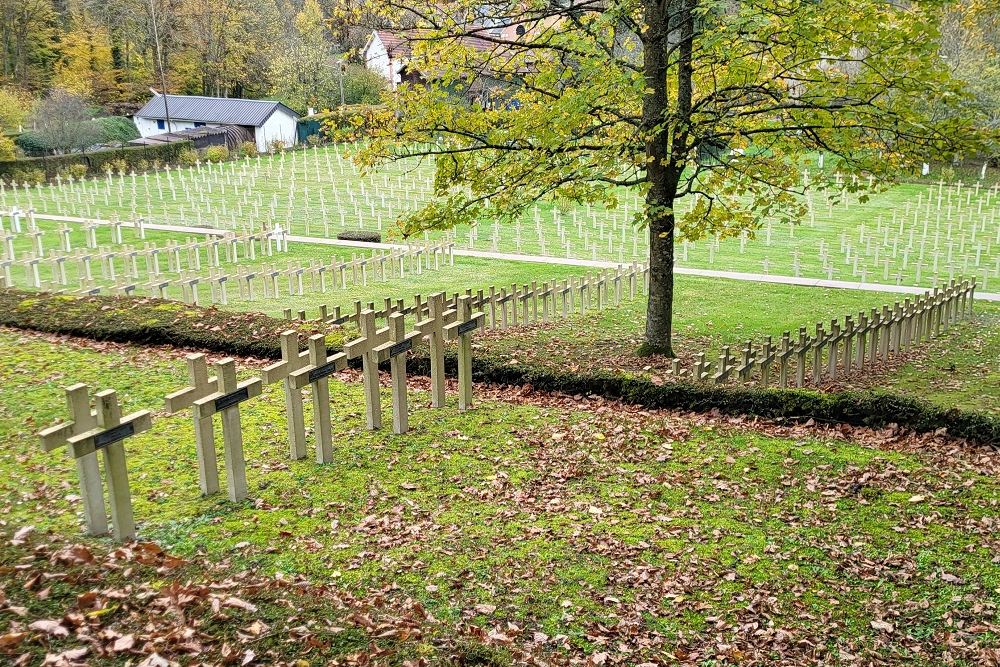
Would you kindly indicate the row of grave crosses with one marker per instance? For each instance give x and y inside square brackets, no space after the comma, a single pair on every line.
[839,350]
[527,304]
[105,430]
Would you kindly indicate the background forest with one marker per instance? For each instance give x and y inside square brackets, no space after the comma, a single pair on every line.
[99,56]
[104,51]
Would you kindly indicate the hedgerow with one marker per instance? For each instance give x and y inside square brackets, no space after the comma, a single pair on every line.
[151,321]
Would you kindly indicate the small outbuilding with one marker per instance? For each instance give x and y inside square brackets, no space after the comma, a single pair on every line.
[265,120]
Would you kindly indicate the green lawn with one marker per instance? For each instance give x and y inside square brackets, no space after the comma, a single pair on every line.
[962,369]
[320,192]
[467,272]
[591,528]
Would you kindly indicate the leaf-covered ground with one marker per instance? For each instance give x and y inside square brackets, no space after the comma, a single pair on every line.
[533,529]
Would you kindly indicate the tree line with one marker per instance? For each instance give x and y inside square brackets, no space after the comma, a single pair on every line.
[105,51]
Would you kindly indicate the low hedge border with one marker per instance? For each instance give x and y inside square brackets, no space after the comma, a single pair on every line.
[158,322]
[149,321]
[96,161]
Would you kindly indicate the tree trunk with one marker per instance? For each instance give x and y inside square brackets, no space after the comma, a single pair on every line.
[659,197]
[666,153]
[660,308]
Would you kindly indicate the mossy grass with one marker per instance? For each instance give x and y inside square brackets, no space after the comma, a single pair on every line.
[153,321]
[558,520]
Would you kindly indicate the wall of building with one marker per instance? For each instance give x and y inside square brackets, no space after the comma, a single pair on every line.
[377,59]
[147,126]
[280,125]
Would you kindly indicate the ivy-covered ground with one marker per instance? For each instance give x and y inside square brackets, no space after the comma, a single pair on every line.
[534,529]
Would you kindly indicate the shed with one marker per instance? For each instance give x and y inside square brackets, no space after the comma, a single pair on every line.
[230,136]
[266,120]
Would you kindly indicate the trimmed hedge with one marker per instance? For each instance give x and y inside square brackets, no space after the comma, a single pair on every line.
[158,322]
[149,321]
[52,165]
[360,235]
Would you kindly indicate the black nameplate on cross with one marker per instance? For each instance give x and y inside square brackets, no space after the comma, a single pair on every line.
[341,320]
[320,372]
[232,399]
[401,347]
[113,435]
[466,327]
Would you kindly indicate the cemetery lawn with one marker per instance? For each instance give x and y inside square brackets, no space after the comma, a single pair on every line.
[566,528]
[961,369]
[467,272]
[287,190]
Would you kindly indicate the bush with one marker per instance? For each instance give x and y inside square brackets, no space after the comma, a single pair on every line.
[117,166]
[117,129]
[276,146]
[363,86]
[28,175]
[360,235]
[187,157]
[8,151]
[150,321]
[32,143]
[249,149]
[95,163]
[77,171]
[216,153]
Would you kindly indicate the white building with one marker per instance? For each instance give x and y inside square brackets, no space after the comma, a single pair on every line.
[387,53]
[266,120]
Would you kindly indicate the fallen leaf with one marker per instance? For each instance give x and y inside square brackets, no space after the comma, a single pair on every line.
[50,627]
[885,626]
[124,643]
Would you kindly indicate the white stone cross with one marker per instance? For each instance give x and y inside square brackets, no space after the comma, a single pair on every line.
[432,328]
[317,373]
[461,329]
[395,351]
[291,360]
[201,386]
[364,347]
[227,401]
[102,429]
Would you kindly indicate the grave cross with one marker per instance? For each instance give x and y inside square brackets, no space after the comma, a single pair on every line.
[317,373]
[201,386]
[432,328]
[291,360]
[364,347]
[395,350]
[103,429]
[461,329]
[227,401]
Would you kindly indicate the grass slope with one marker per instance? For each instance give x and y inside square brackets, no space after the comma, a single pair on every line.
[576,528]
[467,272]
[321,192]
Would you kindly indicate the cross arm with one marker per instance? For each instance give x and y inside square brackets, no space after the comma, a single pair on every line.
[456,329]
[392,348]
[359,346]
[280,370]
[94,439]
[56,436]
[218,401]
[306,376]
[183,398]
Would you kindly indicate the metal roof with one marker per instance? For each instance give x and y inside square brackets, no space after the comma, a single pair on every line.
[225,110]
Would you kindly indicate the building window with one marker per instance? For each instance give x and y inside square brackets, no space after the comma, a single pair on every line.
[160,125]
[199,125]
